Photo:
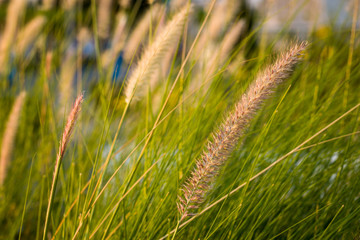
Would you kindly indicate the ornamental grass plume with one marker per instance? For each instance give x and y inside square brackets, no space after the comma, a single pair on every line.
[68,4]
[216,55]
[48,4]
[117,41]
[29,34]
[15,10]
[70,126]
[154,53]
[150,18]
[230,39]
[119,31]
[224,12]
[234,126]
[7,143]
[62,147]
[104,14]
[66,81]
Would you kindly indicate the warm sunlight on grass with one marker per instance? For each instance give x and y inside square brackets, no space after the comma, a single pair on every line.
[213,119]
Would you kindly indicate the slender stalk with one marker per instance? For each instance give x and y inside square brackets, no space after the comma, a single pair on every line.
[351,51]
[63,143]
[26,199]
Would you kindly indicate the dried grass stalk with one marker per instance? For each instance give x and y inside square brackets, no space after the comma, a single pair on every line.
[9,136]
[226,138]
[154,54]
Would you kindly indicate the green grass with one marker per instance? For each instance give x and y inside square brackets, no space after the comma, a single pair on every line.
[312,192]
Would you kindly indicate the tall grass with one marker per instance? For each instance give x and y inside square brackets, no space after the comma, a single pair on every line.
[158,80]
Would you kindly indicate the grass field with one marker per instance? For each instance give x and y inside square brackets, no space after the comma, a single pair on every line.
[111,123]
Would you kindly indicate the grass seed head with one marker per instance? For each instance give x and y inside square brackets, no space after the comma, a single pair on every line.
[154,53]
[227,136]
[8,140]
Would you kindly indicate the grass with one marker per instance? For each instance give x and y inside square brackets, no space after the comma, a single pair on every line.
[292,174]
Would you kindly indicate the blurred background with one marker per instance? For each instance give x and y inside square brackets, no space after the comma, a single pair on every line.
[65,27]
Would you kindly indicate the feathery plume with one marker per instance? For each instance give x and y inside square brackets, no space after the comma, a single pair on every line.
[141,30]
[62,147]
[48,62]
[124,3]
[176,4]
[67,75]
[104,18]
[69,126]
[29,34]
[214,56]
[230,40]
[14,11]
[48,4]
[68,4]
[227,136]
[84,35]
[9,136]
[223,13]
[218,20]
[155,53]
[119,29]
[117,42]
[220,54]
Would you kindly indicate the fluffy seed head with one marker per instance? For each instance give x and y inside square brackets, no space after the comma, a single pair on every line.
[227,136]
[15,10]
[70,125]
[117,41]
[67,74]
[104,18]
[141,30]
[29,33]
[155,53]
[9,136]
